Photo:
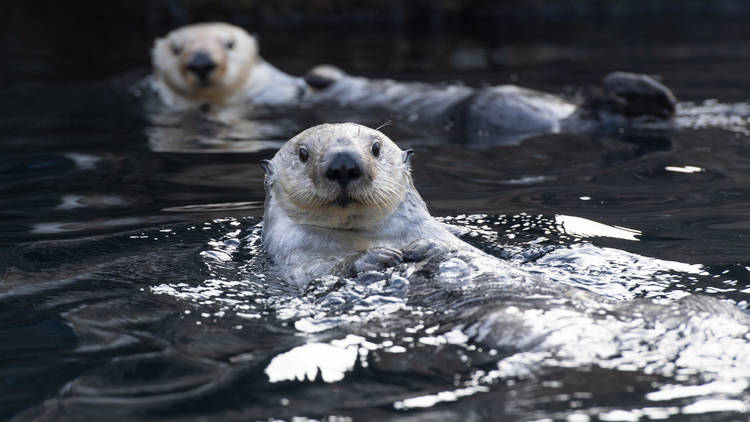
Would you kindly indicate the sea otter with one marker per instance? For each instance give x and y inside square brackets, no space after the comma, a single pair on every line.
[214,66]
[207,80]
[340,200]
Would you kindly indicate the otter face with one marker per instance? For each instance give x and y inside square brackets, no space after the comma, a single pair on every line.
[205,62]
[341,176]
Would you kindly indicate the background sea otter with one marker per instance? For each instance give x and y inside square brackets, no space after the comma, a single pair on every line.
[217,65]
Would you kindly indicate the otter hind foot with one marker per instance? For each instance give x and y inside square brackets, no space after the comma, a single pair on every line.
[633,95]
[424,249]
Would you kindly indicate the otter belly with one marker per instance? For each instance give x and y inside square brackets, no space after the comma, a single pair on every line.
[497,115]
[508,114]
[627,105]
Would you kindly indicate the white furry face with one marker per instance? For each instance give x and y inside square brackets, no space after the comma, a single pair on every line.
[300,181]
[205,62]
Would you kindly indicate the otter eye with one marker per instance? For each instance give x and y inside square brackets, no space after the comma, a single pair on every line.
[303,154]
[176,49]
[229,44]
[376,149]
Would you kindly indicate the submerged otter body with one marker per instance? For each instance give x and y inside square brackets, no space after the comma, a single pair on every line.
[216,68]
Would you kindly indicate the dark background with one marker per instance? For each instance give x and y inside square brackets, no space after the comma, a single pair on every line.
[80,40]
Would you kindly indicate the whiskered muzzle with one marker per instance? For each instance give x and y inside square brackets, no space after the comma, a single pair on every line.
[343,200]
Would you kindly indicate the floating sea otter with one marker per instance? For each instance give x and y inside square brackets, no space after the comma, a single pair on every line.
[340,201]
[217,64]
[210,65]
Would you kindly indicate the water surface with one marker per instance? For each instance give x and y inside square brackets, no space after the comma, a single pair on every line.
[132,284]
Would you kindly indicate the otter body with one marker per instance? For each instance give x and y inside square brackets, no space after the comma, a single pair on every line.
[627,104]
[501,114]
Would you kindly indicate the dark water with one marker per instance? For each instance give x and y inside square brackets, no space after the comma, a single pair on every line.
[132,286]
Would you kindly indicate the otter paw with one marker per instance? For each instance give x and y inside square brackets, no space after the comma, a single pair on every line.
[423,249]
[376,259]
[322,76]
[636,95]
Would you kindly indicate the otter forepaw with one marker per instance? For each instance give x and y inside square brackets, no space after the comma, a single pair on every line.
[423,249]
[376,259]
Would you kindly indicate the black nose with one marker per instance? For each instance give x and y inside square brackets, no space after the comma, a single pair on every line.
[201,64]
[343,169]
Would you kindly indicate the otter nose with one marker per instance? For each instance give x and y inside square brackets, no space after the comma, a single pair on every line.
[201,64]
[343,169]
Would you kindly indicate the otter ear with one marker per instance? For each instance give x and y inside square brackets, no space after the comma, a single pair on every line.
[267,167]
[406,155]
[255,39]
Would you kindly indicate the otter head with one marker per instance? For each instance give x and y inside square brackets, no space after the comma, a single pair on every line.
[205,62]
[338,176]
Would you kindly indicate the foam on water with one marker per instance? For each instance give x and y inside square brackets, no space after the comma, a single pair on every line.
[734,117]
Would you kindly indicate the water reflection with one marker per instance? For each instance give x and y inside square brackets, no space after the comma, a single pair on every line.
[195,132]
[311,361]
[583,227]
[684,169]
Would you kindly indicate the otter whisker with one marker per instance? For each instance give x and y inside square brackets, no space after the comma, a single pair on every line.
[384,124]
